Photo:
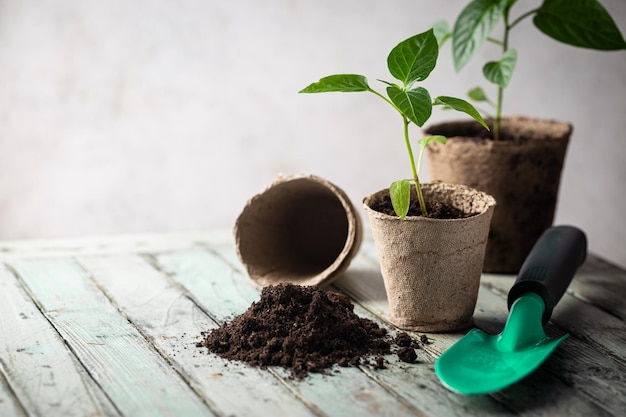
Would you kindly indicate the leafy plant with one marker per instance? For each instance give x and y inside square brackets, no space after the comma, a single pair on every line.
[409,62]
[582,23]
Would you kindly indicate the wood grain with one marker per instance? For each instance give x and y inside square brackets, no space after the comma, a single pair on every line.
[347,393]
[136,379]
[44,374]
[108,326]
[490,315]
[416,385]
[173,322]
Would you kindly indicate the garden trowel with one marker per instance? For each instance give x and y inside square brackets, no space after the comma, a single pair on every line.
[480,363]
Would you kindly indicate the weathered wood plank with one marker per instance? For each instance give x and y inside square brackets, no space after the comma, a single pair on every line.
[579,318]
[347,393]
[490,315]
[419,386]
[43,373]
[568,366]
[108,245]
[415,384]
[586,375]
[601,284]
[124,364]
[9,405]
[203,273]
[173,322]
[523,398]
[579,361]
[579,365]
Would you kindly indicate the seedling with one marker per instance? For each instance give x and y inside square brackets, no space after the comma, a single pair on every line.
[410,62]
[582,23]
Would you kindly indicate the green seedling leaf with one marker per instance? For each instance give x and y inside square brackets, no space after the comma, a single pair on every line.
[415,104]
[462,106]
[424,142]
[413,60]
[478,94]
[500,72]
[472,28]
[400,193]
[442,32]
[582,23]
[344,83]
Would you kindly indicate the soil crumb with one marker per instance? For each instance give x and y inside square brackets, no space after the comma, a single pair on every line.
[407,354]
[303,329]
[403,339]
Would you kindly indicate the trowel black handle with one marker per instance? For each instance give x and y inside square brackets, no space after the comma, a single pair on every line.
[550,266]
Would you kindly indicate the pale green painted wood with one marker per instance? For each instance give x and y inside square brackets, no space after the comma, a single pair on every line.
[419,386]
[173,322]
[524,397]
[546,387]
[348,393]
[9,405]
[224,291]
[490,315]
[109,245]
[579,318]
[124,364]
[589,368]
[416,384]
[44,375]
[577,361]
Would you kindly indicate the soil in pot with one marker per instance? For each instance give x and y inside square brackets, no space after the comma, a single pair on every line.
[521,171]
[303,329]
[435,209]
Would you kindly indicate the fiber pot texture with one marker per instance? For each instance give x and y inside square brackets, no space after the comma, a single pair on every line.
[431,267]
[522,171]
[301,229]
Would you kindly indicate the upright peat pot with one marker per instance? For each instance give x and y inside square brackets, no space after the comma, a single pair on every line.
[431,267]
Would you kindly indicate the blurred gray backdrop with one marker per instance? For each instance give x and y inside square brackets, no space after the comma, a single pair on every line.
[136,116]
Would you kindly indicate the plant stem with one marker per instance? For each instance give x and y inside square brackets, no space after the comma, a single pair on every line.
[522,17]
[418,188]
[505,47]
[498,118]
[371,90]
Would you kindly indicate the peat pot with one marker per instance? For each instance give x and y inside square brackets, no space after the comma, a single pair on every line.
[301,229]
[522,172]
[431,267]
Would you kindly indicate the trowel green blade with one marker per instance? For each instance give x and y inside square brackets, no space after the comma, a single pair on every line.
[480,363]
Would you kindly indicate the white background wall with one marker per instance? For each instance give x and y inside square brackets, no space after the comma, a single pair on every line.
[126,116]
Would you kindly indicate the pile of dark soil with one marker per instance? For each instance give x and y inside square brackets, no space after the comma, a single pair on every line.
[302,329]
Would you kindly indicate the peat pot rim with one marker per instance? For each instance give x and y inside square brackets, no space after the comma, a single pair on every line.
[481,203]
[527,129]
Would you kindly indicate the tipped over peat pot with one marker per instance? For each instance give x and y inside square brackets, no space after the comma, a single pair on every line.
[431,267]
[301,229]
[522,171]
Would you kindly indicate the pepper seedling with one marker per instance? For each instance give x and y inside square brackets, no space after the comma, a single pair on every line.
[581,23]
[410,62]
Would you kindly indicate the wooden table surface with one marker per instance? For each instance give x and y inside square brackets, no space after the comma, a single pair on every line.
[108,327]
